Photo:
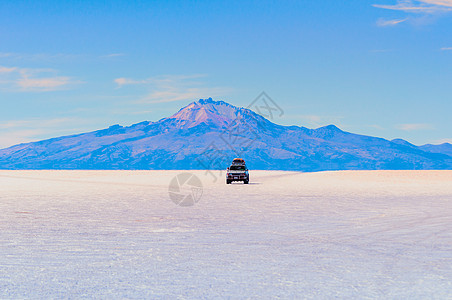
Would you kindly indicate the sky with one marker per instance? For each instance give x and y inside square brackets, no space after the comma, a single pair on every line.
[380,68]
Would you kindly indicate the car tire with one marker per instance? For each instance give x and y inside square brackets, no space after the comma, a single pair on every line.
[228,182]
[245,182]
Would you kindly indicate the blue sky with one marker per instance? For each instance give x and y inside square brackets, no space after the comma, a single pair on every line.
[381,68]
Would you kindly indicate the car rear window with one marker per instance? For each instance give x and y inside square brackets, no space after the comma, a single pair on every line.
[237,168]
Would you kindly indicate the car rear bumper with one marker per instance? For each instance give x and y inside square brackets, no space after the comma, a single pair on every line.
[233,177]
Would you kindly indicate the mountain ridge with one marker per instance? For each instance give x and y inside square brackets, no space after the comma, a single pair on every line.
[207,134]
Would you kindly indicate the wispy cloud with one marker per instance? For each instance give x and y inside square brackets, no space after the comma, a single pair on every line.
[7,70]
[411,8]
[56,57]
[40,56]
[386,23]
[43,123]
[442,141]
[439,2]
[414,126]
[419,6]
[32,80]
[376,126]
[170,88]
[127,81]
[112,55]
[23,131]
[43,84]
[315,121]
[163,80]
[446,49]
[11,138]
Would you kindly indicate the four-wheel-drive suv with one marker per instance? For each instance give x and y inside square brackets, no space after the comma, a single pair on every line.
[237,172]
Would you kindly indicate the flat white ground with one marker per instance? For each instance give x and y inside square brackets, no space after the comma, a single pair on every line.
[103,234]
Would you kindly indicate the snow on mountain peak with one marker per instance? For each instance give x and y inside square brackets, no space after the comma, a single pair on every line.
[208,111]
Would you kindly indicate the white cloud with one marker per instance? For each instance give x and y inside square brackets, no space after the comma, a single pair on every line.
[442,141]
[7,70]
[52,57]
[385,23]
[43,123]
[41,56]
[376,126]
[170,88]
[13,124]
[415,126]
[113,55]
[127,81]
[43,84]
[446,49]
[315,121]
[424,9]
[419,6]
[177,94]
[439,2]
[14,132]
[164,80]
[8,139]
[32,80]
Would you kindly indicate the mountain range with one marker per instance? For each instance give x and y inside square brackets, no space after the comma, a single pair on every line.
[208,134]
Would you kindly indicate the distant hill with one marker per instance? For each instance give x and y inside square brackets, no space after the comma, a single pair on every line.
[445,148]
[208,134]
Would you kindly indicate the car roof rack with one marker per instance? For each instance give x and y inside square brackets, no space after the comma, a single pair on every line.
[238,161]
